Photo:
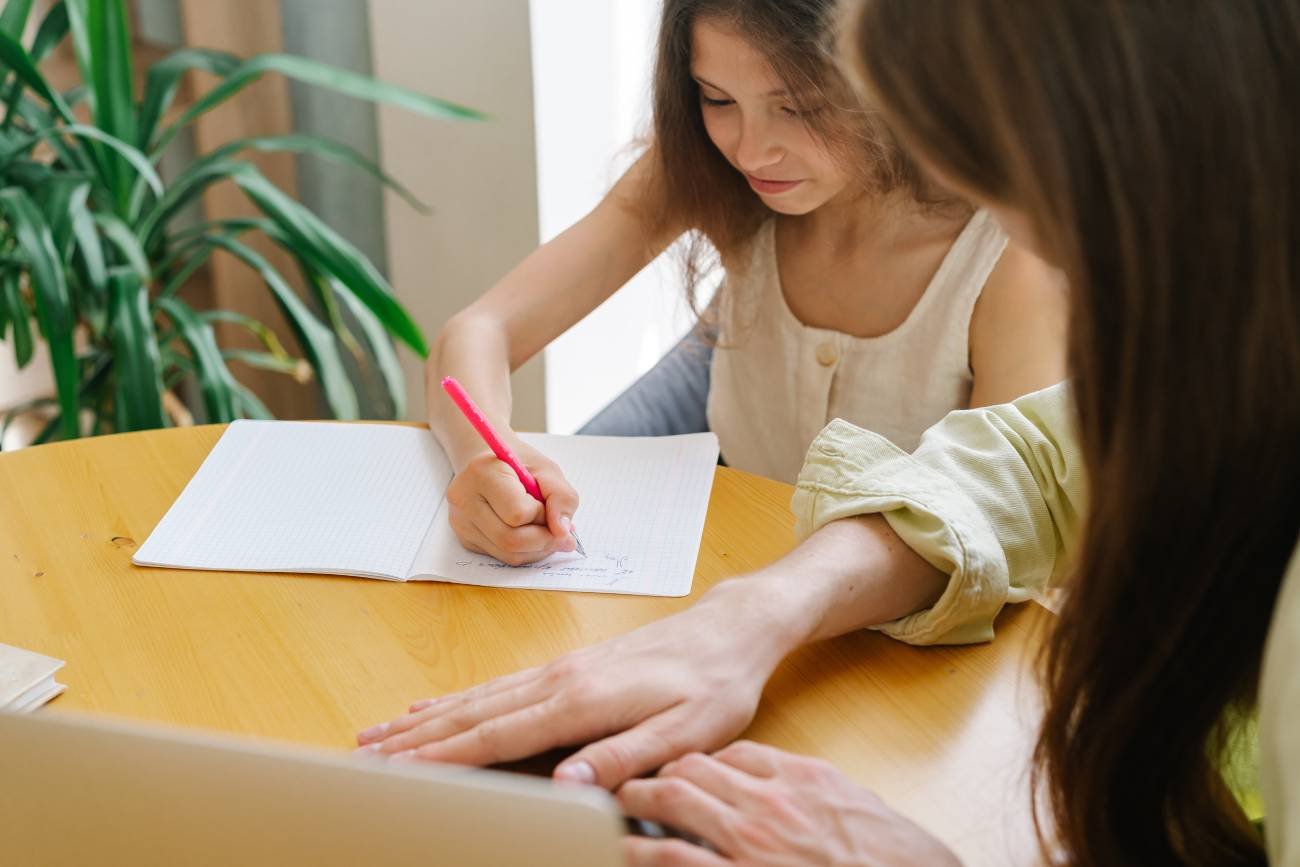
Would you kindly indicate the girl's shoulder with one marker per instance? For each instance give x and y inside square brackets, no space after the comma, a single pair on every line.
[1019,328]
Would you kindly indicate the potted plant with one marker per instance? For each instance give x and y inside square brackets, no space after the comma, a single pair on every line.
[92,262]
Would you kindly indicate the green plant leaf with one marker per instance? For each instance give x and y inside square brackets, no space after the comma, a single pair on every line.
[215,380]
[137,363]
[50,33]
[233,226]
[56,197]
[132,156]
[330,253]
[16,58]
[381,347]
[187,186]
[249,405]
[92,252]
[31,175]
[311,278]
[381,352]
[12,301]
[321,75]
[53,305]
[317,340]
[103,48]
[4,304]
[310,144]
[329,305]
[14,17]
[178,278]
[13,20]
[126,242]
[92,298]
[264,334]
[96,391]
[294,368]
[72,155]
[64,199]
[164,77]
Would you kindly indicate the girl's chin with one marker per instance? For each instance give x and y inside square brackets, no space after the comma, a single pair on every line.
[793,207]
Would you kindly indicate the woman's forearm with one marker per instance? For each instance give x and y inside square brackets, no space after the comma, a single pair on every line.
[849,575]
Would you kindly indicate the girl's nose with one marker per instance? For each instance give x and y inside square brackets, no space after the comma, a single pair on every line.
[758,148]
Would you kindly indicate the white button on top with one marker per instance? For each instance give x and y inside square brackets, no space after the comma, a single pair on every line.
[827,354]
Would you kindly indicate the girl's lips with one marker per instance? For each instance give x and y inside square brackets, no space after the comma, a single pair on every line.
[771,188]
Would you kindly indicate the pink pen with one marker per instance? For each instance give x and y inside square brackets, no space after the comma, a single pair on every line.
[484,427]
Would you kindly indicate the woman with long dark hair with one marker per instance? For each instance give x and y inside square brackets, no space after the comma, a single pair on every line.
[1149,149]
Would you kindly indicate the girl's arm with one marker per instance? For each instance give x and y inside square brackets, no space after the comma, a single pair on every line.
[549,291]
[1018,329]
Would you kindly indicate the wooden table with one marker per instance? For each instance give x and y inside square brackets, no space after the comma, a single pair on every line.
[943,734]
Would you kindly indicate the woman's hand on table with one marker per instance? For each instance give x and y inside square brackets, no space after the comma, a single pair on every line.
[689,682]
[757,806]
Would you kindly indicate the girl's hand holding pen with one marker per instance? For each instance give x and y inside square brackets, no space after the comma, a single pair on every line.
[505,528]
[492,514]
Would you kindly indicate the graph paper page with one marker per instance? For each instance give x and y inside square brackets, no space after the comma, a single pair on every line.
[640,518]
[278,496]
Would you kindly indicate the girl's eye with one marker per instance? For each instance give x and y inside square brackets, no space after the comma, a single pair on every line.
[801,115]
[707,100]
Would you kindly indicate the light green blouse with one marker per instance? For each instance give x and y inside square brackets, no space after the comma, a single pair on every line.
[994,498]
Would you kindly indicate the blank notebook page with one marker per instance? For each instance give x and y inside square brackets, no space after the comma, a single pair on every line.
[306,497]
[640,517]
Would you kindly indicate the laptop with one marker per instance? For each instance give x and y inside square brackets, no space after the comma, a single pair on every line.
[87,791]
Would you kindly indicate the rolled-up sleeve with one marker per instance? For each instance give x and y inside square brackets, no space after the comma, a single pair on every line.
[1279,736]
[992,497]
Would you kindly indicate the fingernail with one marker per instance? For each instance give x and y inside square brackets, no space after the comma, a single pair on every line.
[566,523]
[577,772]
[367,750]
[421,705]
[375,731]
[403,757]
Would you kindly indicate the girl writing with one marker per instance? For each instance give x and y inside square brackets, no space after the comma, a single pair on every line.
[853,289]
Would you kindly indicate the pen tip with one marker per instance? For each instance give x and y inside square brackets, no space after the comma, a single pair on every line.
[578,543]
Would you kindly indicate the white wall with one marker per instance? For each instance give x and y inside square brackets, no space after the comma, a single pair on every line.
[591,69]
[19,386]
[479,178]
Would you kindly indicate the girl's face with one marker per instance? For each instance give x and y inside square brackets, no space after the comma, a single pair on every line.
[754,124]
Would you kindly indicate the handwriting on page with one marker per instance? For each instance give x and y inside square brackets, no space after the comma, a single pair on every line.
[607,569]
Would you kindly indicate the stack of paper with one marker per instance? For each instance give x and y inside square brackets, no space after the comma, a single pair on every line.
[27,679]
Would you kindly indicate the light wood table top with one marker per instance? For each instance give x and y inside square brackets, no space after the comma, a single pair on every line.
[943,734]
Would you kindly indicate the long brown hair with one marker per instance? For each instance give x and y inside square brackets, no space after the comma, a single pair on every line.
[695,185]
[1155,146]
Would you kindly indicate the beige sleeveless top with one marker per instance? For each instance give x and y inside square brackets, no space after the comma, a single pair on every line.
[775,382]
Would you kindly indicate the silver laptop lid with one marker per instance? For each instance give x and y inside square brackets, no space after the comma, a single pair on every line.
[78,791]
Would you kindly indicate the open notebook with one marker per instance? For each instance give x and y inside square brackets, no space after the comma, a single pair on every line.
[367,500]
